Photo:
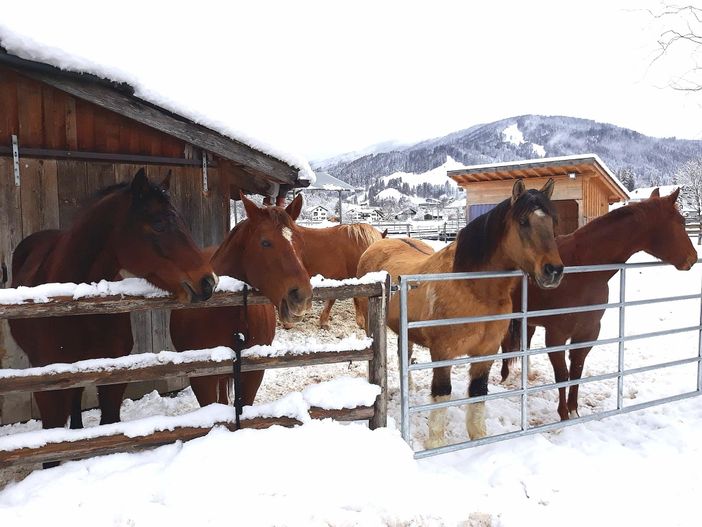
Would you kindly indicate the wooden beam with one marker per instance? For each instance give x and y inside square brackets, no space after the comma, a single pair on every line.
[177,126]
[114,304]
[79,379]
[110,444]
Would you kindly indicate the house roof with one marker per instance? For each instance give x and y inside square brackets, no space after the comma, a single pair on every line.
[310,209]
[546,167]
[120,98]
[645,192]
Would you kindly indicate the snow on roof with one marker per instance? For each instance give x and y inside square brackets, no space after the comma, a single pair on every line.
[458,204]
[29,47]
[310,209]
[325,181]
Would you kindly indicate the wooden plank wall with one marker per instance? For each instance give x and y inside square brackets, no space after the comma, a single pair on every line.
[50,195]
[595,199]
[44,117]
[491,192]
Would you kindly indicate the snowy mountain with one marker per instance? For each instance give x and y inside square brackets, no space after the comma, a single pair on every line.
[652,161]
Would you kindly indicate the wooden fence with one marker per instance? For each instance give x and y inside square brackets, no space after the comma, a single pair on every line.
[107,443]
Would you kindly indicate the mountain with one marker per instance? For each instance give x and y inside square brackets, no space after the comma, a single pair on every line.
[652,161]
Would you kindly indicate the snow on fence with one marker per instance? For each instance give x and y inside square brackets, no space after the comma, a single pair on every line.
[61,444]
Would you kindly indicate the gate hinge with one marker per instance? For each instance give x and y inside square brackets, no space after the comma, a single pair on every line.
[15,160]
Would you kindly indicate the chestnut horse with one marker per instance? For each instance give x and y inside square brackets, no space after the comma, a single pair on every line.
[516,234]
[334,252]
[263,251]
[654,225]
[130,228]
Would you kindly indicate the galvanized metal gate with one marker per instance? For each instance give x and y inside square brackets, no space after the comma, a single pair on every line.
[524,391]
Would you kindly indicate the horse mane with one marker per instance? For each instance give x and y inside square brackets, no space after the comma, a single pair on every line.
[414,246]
[478,241]
[363,234]
[601,222]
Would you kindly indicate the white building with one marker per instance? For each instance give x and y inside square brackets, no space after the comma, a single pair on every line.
[317,213]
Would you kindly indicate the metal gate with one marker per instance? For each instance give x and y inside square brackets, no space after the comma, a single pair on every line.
[524,391]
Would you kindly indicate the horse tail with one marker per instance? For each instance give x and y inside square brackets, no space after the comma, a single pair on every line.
[511,339]
[384,234]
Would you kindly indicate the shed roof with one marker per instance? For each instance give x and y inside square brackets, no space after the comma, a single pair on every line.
[120,98]
[325,181]
[547,167]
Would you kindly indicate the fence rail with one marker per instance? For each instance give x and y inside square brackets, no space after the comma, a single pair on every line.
[43,379]
[523,314]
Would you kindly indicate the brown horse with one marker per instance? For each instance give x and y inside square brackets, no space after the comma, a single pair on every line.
[262,251]
[653,225]
[516,234]
[130,228]
[334,252]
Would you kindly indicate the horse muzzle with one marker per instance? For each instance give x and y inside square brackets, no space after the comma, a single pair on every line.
[550,277]
[687,264]
[204,291]
[294,305]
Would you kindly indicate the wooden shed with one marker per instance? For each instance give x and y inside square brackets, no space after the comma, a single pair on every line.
[584,188]
[65,135]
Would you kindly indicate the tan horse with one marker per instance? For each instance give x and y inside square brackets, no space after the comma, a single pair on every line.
[333,252]
[516,234]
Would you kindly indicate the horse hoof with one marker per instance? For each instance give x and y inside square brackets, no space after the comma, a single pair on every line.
[433,442]
[573,414]
[287,325]
[325,326]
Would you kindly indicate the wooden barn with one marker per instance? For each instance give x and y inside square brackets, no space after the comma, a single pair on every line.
[585,187]
[64,135]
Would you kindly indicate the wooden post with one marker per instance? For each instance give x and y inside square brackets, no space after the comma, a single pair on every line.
[377,368]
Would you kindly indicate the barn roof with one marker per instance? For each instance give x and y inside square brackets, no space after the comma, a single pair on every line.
[325,181]
[547,167]
[120,98]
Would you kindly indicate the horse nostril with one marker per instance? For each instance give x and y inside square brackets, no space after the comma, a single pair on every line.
[207,284]
[294,295]
[553,270]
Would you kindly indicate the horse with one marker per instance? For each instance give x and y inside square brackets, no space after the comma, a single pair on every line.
[263,251]
[653,225]
[516,234]
[129,228]
[334,252]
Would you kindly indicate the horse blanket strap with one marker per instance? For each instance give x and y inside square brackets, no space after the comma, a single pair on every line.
[239,344]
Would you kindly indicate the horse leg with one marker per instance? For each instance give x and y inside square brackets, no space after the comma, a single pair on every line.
[206,389]
[560,369]
[511,342]
[250,383]
[475,413]
[54,408]
[110,400]
[410,351]
[360,316]
[577,362]
[77,410]
[325,315]
[440,391]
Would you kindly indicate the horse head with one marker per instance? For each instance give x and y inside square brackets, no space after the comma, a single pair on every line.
[150,240]
[271,246]
[529,234]
[669,240]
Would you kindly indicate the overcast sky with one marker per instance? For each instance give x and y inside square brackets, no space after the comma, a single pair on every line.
[322,78]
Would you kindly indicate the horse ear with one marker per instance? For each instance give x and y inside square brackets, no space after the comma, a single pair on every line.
[656,193]
[249,206]
[674,195]
[517,190]
[166,183]
[547,189]
[140,183]
[295,207]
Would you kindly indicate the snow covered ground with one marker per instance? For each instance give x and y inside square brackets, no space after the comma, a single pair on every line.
[641,468]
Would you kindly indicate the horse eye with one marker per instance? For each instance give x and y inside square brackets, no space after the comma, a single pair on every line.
[158,225]
[266,244]
[523,222]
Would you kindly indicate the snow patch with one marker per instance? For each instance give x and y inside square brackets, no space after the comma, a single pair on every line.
[513,135]
[539,150]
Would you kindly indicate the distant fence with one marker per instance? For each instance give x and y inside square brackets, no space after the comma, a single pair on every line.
[694,228]
[73,445]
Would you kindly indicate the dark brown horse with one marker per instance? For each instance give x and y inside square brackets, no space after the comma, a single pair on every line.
[334,252]
[264,252]
[653,225]
[516,234]
[130,228]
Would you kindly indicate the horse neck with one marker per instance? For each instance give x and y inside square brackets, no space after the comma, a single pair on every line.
[608,240]
[82,253]
[228,259]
